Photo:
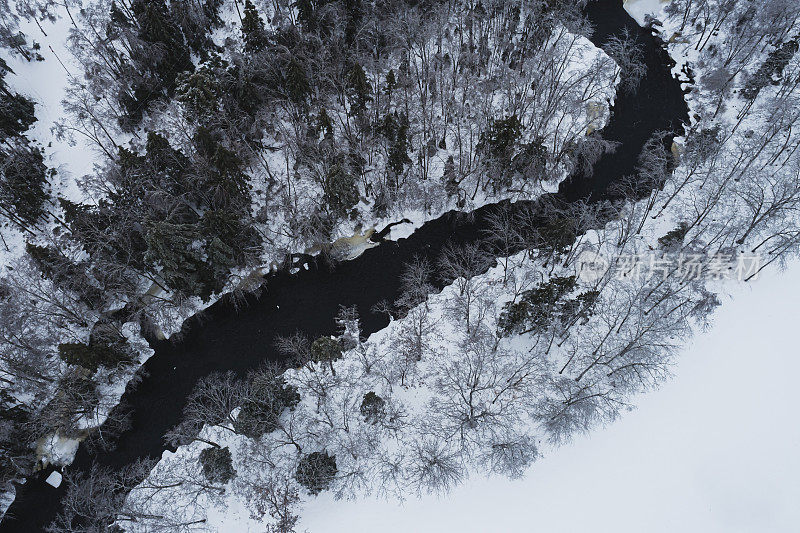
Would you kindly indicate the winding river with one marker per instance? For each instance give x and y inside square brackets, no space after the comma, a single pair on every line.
[225,338]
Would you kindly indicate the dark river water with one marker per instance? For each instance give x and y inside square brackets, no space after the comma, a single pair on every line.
[225,338]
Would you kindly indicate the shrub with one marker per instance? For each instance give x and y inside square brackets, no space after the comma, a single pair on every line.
[674,238]
[259,413]
[217,464]
[76,397]
[497,144]
[316,471]
[326,349]
[95,354]
[373,407]
[546,306]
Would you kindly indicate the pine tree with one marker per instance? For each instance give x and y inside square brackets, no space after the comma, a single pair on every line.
[177,250]
[23,174]
[325,123]
[771,70]
[229,242]
[65,273]
[196,18]
[11,37]
[160,53]
[223,180]
[93,355]
[497,144]
[449,177]
[358,90]
[395,129]
[499,140]
[17,438]
[305,14]
[200,91]
[538,308]
[354,11]
[23,183]
[296,84]
[391,83]
[253,31]
[118,22]
[531,161]
[341,191]
[16,111]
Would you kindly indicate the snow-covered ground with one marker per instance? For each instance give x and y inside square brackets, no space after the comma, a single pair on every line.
[715,449]
[45,82]
[73,157]
[692,457]
[638,9]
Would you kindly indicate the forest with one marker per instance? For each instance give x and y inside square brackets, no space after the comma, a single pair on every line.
[226,138]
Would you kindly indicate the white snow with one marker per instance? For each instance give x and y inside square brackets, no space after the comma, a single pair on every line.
[714,450]
[692,457]
[57,449]
[711,451]
[639,8]
[45,82]
[54,479]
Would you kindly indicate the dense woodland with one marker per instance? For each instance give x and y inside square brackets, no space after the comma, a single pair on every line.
[232,133]
[224,150]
